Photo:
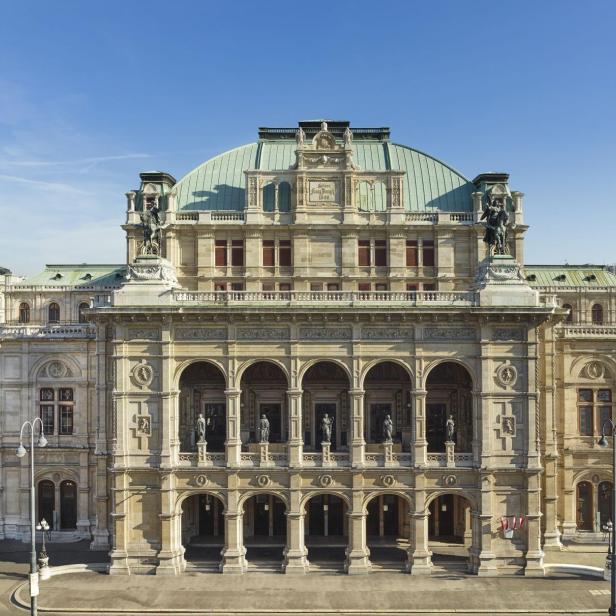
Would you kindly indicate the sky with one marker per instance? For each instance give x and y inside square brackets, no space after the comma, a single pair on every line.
[93,93]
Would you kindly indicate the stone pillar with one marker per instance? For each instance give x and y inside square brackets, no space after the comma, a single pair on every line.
[357,552]
[534,553]
[118,555]
[450,454]
[420,444]
[234,552]
[264,457]
[296,439]
[358,444]
[295,552]
[233,444]
[482,539]
[202,453]
[388,454]
[326,455]
[419,556]
[171,554]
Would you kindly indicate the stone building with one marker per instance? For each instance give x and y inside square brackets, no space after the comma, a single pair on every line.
[310,352]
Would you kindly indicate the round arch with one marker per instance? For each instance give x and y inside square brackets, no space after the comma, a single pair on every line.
[471,497]
[198,492]
[309,495]
[180,369]
[263,492]
[376,493]
[74,371]
[313,362]
[268,360]
[579,364]
[65,473]
[376,362]
[447,360]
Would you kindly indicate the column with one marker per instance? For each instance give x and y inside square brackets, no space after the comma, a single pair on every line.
[420,444]
[482,539]
[234,552]
[358,444]
[170,556]
[296,440]
[534,553]
[419,555]
[357,552]
[295,552]
[233,444]
[120,505]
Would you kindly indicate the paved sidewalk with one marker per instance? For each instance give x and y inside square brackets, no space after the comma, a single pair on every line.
[270,593]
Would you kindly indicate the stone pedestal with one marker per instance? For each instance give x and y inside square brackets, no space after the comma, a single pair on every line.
[450,454]
[264,457]
[201,453]
[357,553]
[388,451]
[150,282]
[295,552]
[500,282]
[326,458]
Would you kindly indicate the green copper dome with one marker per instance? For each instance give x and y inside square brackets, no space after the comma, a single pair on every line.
[430,185]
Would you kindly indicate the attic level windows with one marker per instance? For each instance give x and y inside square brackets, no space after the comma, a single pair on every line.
[561,277]
[88,277]
[82,308]
[53,313]
[597,314]
[428,253]
[372,252]
[229,252]
[24,312]
[57,276]
[419,253]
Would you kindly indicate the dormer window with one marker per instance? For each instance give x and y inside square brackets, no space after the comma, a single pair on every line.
[561,277]
[88,277]
[531,277]
[57,276]
[590,278]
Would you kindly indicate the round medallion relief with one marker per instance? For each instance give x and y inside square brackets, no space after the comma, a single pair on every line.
[56,369]
[201,481]
[594,369]
[450,480]
[388,481]
[326,480]
[263,481]
[143,374]
[506,375]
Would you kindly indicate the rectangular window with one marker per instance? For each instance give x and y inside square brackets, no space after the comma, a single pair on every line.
[237,253]
[268,286]
[284,286]
[220,286]
[411,253]
[363,253]
[66,394]
[221,253]
[586,421]
[428,253]
[380,286]
[380,253]
[46,394]
[333,286]
[411,287]
[237,286]
[604,395]
[269,257]
[316,286]
[429,286]
[364,286]
[47,418]
[585,395]
[605,413]
[284,253]
[66,419]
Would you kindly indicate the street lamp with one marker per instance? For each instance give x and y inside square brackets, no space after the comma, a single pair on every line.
[21,452]
[612,550]
[43,557]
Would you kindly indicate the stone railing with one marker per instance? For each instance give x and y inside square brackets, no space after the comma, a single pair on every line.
[210,459]
[349,298]
[588,331]
[204,217]
[253,459]
[440,459]
[336,459]
[64,330]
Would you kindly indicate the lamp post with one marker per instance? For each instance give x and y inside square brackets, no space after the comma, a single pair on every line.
[43,556]
[21,452]
[603,443]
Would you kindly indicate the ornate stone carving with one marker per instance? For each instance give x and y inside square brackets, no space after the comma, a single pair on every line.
[594,370]
[144,425]
[389,481]
[142,374]
[263,333]
[505,334]
[201,333]
[506,375]
[325,333]
[326,480]
[201,481]
[152,270]
[55,370]
[508,425]
[263,481]
[387,333]
[450,480]
[143,333]
[449,333]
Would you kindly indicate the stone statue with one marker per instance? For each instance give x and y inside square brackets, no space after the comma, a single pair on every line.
[496,218]
[264,428]
[151,225]
[388,429]
[326,428]
[347,136]
[300,136]
[324,126]
[201,423]
[450,428]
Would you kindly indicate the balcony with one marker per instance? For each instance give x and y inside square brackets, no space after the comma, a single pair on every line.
[51,330]
[338,298]
[588,331]
[460,460]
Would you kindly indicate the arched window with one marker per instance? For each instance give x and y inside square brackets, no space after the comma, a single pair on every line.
[569,317]
[82,308]
[584,508]
[53,313]
[24,312]
[46,501]
[597,314]
[68,504]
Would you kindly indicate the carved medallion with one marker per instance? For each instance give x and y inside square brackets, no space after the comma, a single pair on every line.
[57,370]
[144,425]
[263,481]
[594,370]
[326,480]
[506,375]
[142,374]
[508,425]
[450,480]
[201,481]
[388,481]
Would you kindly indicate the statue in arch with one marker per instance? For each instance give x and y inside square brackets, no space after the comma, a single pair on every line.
[151,225]
[264,429]
[388,429]
[450,428]
[201,423]
[326,428]
[496,218]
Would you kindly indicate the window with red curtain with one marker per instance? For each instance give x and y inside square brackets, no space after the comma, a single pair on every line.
[364,286]
[221,253]
[363,252]
[380,253]
[284,253]
[411,253]
[428,253]
[268,253]
[237,253]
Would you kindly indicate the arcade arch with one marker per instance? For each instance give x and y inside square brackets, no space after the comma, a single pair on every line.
[203,529]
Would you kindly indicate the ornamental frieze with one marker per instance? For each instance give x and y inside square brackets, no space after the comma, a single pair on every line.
[325,333]
[201,333]
[504,334]
[387,333]
[448,333]
[143,333]
[262,333]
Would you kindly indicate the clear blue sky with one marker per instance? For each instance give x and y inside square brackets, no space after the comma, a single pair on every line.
[92,93]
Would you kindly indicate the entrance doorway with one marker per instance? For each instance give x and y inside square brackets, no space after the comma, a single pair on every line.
[449,532]
[388,531]
[68,505]
[203,531]
[46,502]
[265,530]
[326,531]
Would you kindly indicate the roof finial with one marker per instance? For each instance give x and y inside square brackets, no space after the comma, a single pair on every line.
[324,125]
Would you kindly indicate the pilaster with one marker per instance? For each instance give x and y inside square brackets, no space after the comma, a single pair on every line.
[233,444]
[358,444]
